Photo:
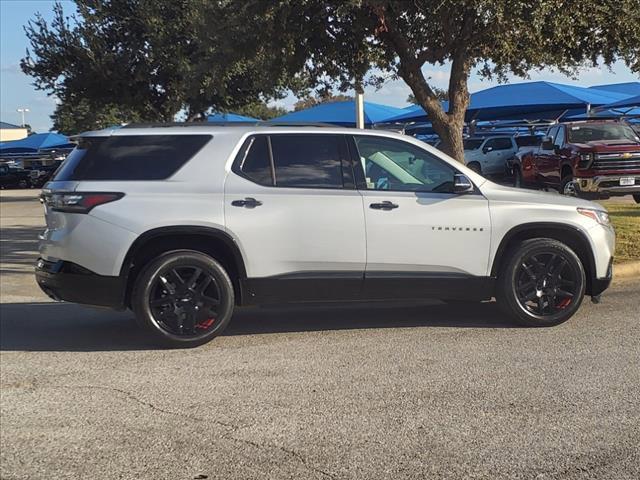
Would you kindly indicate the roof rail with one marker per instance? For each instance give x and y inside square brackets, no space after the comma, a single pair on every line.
[276,123]
[191,124]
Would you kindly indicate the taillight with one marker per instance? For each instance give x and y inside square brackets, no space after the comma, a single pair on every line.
[79,202]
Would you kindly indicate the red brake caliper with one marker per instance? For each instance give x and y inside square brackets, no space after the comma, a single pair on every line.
[206,324]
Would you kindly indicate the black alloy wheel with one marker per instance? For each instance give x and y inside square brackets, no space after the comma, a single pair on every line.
[542,282]
[545,284]
[184,298]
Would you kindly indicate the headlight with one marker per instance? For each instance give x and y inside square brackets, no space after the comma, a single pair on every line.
[585,160]
[599,216]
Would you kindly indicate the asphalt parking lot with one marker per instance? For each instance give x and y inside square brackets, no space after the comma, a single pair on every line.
[347,391]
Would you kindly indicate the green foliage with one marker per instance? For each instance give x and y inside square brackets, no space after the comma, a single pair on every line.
[71,118]
[261,111]
[312,101]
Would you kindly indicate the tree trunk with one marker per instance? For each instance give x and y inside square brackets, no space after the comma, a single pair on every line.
[450,134]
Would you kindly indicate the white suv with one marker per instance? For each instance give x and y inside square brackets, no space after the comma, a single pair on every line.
[183,223]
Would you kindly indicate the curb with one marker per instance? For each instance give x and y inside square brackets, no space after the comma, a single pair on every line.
[626,270]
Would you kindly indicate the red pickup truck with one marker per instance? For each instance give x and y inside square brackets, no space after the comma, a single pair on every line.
[593,159]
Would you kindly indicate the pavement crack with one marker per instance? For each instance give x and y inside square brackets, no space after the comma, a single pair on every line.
[262,446]
[154,407]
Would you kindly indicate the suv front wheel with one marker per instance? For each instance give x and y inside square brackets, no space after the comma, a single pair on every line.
[542,283]
[184,298]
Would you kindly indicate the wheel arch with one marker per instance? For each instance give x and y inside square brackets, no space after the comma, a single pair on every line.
[211,241]
[571,236]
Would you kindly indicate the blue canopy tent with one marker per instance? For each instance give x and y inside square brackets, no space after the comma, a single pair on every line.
[341,113]
[37,142]
[628,88]
[519,101]
[229,117]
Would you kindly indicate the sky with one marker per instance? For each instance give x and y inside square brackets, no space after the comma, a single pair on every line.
[17,91]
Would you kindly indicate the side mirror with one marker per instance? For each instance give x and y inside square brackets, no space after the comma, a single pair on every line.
[547,143]
[486,149]
[461,184]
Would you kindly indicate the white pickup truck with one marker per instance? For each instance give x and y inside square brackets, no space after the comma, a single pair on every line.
[489,155]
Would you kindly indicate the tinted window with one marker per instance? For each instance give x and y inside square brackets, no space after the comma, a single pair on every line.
[131,157]
[255,163]
[601,131]
[499,143]
[529,140]
[312,161]
[559,141]
[394,165]
[472,143]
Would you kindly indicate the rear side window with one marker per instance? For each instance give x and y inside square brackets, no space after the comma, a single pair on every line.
[312,161]
[131,157]
[295,160]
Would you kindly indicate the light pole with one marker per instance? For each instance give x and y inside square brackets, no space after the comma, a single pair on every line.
[22,111]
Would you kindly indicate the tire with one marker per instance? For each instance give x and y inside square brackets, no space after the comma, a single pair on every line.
[541,284]
[475,166]
[636,197]
[180,307]
[567,187]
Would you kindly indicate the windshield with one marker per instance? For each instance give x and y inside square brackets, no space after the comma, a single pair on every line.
[472,143]
[598,132]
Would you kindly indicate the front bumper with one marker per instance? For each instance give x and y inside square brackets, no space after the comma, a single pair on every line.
[67,281]
[607,184]
[599,285]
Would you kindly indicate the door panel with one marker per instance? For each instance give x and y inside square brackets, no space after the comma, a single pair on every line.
[419,233]
[428,232]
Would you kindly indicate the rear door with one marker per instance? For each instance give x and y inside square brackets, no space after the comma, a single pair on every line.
[422,239]
[293,208]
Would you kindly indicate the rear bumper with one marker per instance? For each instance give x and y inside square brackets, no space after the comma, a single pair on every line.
[608,184]
[67,281]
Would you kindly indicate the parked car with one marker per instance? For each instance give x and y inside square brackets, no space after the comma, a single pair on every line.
[526,144]
[183,223]
[40,175]
[13,177]
[595,159]
[489,155]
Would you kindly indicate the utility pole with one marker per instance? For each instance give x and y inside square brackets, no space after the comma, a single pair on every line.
[22,111]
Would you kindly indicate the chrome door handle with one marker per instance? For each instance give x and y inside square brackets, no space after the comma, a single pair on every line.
[248,202]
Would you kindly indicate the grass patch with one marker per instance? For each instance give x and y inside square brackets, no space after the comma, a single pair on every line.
[626,221]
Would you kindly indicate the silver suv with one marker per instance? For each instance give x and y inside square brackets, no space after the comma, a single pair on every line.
[183,223]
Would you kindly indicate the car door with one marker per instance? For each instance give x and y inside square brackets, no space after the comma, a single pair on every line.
[557,157]
[496,154]
[422,239]
[295,212]
[545,158]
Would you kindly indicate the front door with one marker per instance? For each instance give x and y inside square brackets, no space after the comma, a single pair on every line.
[422,239]
[297,217]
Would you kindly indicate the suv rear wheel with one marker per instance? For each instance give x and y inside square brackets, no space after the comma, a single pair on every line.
[542,283]
[183,298]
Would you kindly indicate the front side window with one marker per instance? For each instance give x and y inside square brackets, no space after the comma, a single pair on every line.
[472,143]
[310,161]
[390,164]
[559,140]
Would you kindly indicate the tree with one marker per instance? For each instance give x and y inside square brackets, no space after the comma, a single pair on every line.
[71,118]
[149,59]
[311,101]
[336,42]
[261,111]
[441,93]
